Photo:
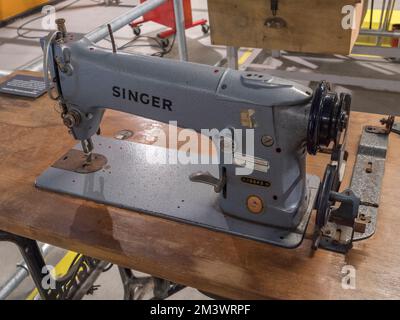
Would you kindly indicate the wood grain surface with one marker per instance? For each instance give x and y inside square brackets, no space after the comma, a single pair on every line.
[32,137]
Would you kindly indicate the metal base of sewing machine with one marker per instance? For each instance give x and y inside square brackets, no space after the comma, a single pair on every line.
[129,181]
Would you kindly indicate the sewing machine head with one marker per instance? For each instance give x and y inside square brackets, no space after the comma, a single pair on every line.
[286,119]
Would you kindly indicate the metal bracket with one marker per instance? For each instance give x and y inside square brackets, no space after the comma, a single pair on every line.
[389,123]
[337,234]
[367,180]
[396,128]
[355,219]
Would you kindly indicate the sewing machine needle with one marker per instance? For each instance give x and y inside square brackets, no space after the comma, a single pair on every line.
[88,158]
[87,146]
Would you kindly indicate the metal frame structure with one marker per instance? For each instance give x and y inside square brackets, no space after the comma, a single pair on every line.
[383,31]
[180,29]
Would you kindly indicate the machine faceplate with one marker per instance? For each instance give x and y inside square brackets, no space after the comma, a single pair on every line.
[129,181]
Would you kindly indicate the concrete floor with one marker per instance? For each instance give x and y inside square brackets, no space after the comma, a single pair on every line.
[84,15]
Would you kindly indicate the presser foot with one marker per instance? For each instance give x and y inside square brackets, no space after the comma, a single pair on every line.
[77,161]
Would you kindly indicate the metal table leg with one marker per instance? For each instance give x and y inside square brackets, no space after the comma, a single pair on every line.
[34,260]
[74,285]
[136,288]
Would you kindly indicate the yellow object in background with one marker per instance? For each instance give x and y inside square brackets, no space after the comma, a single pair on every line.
[376,18]
[61,269]
[12,8]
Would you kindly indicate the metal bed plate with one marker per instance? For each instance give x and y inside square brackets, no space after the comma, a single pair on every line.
[129,181]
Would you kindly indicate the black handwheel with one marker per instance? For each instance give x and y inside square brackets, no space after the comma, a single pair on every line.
[328,118]
[324,203]
[137,31]
[205,28]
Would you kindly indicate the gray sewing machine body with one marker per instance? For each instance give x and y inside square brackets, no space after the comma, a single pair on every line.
[200,97]
[90,79]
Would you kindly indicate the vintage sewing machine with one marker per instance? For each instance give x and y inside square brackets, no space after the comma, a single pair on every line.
[272,203]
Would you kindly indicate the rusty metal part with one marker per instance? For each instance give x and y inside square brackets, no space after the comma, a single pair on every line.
[369,168]
[61,26]
[387,122]
[76,161]
[360,226]
[361,223]
[110,32]
[123,134]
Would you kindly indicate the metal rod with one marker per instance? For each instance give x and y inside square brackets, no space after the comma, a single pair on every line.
[114,47]
[392,11]
[382,14]
[378,51]
[380,33]
[389,9]
[16,279]
[102,31]
[371,13]
[123,20]
[233,57]
[381,22]
[180,29]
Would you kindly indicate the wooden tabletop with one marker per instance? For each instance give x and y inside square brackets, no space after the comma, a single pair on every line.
[32,137]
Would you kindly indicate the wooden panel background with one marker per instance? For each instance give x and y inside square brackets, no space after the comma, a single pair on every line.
[313,25]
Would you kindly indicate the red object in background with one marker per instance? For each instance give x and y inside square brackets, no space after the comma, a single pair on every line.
[164,14]
[396,41]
